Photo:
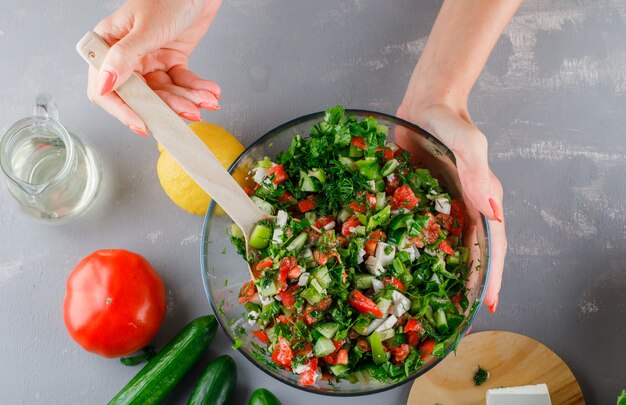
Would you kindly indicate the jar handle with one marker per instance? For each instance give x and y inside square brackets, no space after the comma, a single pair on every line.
[45,107]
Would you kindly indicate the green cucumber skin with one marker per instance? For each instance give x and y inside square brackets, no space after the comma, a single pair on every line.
[159,377]
[263,397]
[216,384]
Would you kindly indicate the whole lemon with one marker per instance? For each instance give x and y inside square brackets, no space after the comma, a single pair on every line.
[177,184]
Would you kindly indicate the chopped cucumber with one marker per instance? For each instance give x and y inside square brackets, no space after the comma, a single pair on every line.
[311,295]
[389,167]
[319,175]
[383,304]
[363,281]
[359,230]
[323,276]
[263,205]
[309,184]
[339,369]
[400,221]
[260,236]
[236,231]
[386,334]
[323,347]
[355,152]
[363,376]
[361,327]
[440,320]
[271,333]
[379,218]
[251,306]
[347,162]
[381,200]
[328,329]
[369,168]
[344,214]
[268,290]
[318,287]
[382,129]
[297,243]
[399,237]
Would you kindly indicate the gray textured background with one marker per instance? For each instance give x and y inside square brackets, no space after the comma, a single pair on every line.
[551,100]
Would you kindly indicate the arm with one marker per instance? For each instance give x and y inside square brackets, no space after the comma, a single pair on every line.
[462,38]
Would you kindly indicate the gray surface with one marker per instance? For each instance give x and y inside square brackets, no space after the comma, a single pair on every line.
[551,100]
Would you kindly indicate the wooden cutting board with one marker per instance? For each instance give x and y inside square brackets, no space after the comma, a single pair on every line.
[511,359]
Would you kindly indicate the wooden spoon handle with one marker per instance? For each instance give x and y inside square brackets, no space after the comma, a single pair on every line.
[178,139]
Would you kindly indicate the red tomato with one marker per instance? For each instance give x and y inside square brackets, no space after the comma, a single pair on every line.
[391,186]
[445,247]
[412,325]
[351,222]
[394,282]
[378,235]
[286,198]
[114,303]
[359,142]
[282,354]
[404,197]
[247,292]
[307,205]
[401,353]
[320,257]
[413,338]
[308,377]
[363,345]
[280,176]
[262,336]
[456,299]
[288,297]
[364,304]
[323,221]
[286,267]
[342,357]
[370,247]
[248,191]
[457,212]
[264,264]
[426,347]
[360,207]
[305,350]
[431,231]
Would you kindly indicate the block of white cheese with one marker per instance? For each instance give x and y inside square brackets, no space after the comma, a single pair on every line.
[526,395]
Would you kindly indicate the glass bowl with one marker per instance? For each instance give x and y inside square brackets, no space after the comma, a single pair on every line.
[224,271]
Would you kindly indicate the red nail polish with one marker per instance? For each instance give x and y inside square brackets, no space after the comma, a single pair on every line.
[494,306]
[208,106]
[190,117]
[497,212]
[106,81]
[138,130]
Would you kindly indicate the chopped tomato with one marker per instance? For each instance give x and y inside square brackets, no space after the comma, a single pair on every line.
[413,338]
[347,228]
[287,266]
[286,198]
[247,292]
[360,207]
[426,347]
[307,204]
[330,359]
[320,257]
[357,207]
[359,142]
[418,241]
[364,304]
[378,235]
[294,272]
[288,296]
[401,353]
[370,247]
[262,336]
[404,197]
[323,221]
[431,231]
[393,282]
[325,377]
[280,176]
[305,350]
[313,313]
[308,377]
[445,247]
[264,264]
[248,191]
[363,345]
[342,357]
[456,299]
[282,354]
[412,325]
[457,212]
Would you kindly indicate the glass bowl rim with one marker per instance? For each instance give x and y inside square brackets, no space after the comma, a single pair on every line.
[203,253]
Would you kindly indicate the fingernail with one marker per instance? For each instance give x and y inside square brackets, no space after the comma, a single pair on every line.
[494,306]
[138,130]
[216,95]
[189,116]
[497,211]
[106,81]
[208,106]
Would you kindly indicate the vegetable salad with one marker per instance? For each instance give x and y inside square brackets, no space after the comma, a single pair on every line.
[362,274]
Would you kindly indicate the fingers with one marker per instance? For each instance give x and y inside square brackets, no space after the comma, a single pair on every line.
[180,105]
[498,253]
[115,106]
[181,76]
[160,80]
[123,58]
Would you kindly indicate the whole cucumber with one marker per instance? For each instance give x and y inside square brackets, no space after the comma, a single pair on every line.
[216,384]
[159,377]
[263,397]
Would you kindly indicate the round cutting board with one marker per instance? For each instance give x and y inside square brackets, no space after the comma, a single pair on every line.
[511,360]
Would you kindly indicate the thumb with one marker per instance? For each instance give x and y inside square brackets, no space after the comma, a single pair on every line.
[123,58]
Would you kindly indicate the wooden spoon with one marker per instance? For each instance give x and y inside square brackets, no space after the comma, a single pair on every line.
[180,141]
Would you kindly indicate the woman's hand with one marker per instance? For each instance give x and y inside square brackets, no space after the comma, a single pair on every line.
[480,186]
[155,39]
